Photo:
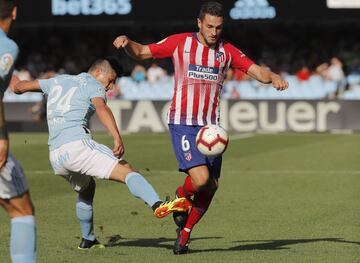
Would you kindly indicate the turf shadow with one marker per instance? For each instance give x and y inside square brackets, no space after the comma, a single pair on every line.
[274,244]
[116,240]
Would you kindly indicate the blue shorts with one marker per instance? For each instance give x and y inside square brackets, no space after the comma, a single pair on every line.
[183,140]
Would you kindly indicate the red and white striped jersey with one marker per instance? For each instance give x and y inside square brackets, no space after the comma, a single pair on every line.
[199,76]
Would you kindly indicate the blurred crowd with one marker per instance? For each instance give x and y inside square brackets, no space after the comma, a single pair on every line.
[329,52]
[154,74]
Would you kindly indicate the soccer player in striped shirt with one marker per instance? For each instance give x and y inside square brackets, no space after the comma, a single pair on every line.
[201,60]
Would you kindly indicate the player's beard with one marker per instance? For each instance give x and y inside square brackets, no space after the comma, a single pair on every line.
[207,42]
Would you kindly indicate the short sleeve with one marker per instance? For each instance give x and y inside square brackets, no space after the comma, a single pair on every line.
[95,90]
[238,59]
[166,47]
[45,85]
[7,59]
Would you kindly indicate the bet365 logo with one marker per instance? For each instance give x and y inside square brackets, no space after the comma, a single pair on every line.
[252,9]
[90,7]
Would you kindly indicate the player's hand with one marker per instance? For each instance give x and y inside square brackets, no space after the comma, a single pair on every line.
[14,80]
[278,82]
[118,148]
[4,151]
[121,42]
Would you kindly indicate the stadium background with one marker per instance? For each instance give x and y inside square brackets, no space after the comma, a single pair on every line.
[288,197]
[293,38]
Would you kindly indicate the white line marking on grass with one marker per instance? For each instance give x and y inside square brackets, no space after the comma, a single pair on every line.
[295,172]
[241,136]
[342,131]
[234,171]
[39,172]
[268,171]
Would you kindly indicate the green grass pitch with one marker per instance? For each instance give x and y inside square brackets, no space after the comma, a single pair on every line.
[282,198]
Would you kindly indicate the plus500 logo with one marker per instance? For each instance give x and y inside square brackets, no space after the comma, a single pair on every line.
[90,7]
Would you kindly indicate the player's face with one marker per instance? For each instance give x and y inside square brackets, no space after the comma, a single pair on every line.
[210,29]
[107,79]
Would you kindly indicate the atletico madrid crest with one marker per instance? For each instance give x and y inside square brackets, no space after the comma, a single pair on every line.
[188,156]
[219,56]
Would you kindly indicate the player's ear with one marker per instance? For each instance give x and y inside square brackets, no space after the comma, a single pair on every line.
[95,73]
[199,23]
[14,13]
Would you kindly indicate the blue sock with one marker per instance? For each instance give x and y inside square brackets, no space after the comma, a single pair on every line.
[23,240]
[84,212]
[141,188]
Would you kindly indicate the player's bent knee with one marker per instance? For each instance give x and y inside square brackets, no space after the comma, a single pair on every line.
[128,165]
[19,206]
[13,213]
[89,192]
[25,210]
[120,172]
[199,176]
[200,181]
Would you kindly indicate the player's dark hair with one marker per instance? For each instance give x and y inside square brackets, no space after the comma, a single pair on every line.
[6,8]
[114,64]
[211,8]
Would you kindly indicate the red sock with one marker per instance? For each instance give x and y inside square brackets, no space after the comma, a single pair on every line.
[201,203]
[188,189]
[185,235]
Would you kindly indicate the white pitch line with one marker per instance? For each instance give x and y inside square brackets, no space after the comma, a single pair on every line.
[241,136]
[235,172]
[39,171]
[272,172]
[294,172]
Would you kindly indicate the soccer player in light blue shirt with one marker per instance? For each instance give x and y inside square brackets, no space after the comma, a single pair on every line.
[14,193]
[74,155]
[69,106]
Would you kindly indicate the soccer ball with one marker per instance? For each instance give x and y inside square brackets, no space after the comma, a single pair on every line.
[212,140]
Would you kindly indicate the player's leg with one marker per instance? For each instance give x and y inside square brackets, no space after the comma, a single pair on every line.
[18,206]
[96,160]
[201,203]
[191,161]
[61,161]
[201,184]
[189,189]
[137,184]
[196,180]
[141,188]
[15,198]
[85,187]
[23,234]
[85,215]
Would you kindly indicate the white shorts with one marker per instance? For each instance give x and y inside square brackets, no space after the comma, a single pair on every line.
[80,160]
[12,179]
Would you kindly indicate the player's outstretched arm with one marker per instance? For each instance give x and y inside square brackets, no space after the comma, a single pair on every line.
[267,77]
[107,119]
[132,48]
[20,87]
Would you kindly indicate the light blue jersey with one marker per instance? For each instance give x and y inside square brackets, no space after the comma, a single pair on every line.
[69,107]
[8,54]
